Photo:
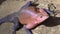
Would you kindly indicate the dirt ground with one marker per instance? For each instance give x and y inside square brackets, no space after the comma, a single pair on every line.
[11,6]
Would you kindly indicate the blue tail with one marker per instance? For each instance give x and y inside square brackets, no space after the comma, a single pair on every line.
[6,19]
[2,20]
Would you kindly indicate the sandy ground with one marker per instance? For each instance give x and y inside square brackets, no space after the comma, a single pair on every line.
[11,6]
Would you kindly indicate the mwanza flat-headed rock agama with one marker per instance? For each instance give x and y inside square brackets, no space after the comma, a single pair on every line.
[28,16]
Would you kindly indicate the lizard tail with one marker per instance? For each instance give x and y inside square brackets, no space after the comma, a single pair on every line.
[2,20]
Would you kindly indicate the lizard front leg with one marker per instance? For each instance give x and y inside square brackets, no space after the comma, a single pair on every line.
[28,31]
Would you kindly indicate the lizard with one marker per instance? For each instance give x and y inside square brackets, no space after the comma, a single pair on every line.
[30,10]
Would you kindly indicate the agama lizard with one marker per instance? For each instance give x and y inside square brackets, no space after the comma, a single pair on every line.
[34,16]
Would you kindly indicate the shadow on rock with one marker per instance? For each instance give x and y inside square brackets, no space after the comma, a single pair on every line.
[52,21]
